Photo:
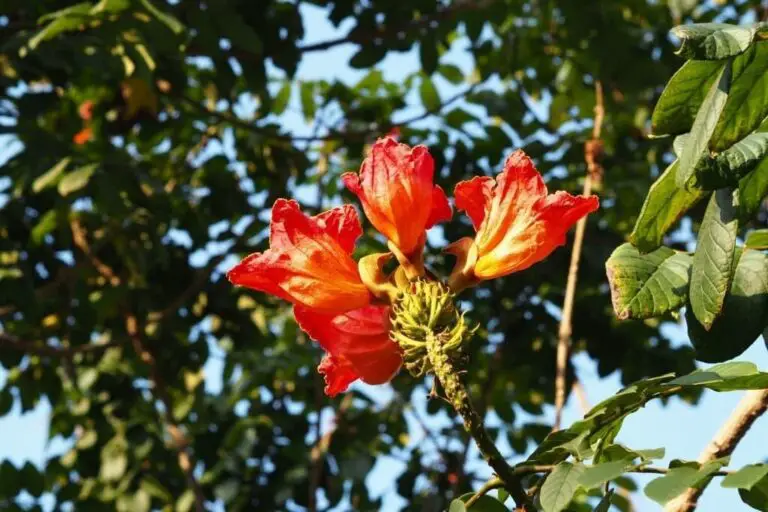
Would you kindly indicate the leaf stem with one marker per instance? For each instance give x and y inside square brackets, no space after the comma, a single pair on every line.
[456,393]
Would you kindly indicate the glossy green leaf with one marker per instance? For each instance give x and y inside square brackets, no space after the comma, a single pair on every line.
[677,107]
[757,239]
[747,104]
[662,208]
[744,312]
[695,148]
[746,477]
[713,259]
[713,41]
[647,285]
[752,190]
[51,176]
[727,168]
[560,486]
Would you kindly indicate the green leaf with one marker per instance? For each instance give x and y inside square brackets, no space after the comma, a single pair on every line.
[33,480]
[503,495]
[451,73]
[605,503]
[77,179]
[428,56]
[71,18]
[457,506]
[44,226]
[727,168]
[598,474]
[283,97]
[663,206]
[166,19]
[676,109]
[757,239]
[713,41]
[752,190]
[647,285]
[114,460]
[51,176]
[429,95]
[713,259]
[757,496]
[703,126]
[678,480]
[560,486]
[308,106]
[154,488]
[747,104]
[484,503]
[747,477]
[744,312]
[185,502]
[367,57]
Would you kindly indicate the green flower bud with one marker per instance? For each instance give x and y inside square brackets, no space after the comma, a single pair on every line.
[427,309]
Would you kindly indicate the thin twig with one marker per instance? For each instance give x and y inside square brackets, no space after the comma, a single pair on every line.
[751,407]
[180,442]
[322,444]
[592,150]
[80,238]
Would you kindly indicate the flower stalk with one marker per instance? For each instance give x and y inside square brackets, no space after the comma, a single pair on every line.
[456,392]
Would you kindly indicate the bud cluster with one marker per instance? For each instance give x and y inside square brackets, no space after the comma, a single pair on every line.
[424,310]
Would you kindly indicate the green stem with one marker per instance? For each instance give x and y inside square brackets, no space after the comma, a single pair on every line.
[457,395]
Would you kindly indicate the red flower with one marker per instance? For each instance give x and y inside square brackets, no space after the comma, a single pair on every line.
[357,345]
[396,188]
[517,222]
[309,261]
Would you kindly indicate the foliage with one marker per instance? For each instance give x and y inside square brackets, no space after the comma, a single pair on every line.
[149,138]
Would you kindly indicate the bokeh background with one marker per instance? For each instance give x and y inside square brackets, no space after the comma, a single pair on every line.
[142,145]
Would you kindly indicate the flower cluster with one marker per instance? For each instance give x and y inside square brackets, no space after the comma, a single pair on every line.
[346,305]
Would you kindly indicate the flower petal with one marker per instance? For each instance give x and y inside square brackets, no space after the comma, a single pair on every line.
[343,224]
[360,336]
[441,208]
[337,373]
[474,197]
[305,264]
[396,189]
[517,223]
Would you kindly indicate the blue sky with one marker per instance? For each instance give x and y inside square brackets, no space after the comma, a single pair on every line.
[681,429]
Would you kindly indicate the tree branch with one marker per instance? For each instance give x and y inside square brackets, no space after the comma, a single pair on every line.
[12,342]
[331,135]
[751,407]
[384,33]
[592,151]
[180,442]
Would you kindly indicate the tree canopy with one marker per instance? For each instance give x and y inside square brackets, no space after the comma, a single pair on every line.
[146,141]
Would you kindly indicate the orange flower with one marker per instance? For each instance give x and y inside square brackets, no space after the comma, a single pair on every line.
[396,188]
[517,222]
[309,261]
[357,345]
